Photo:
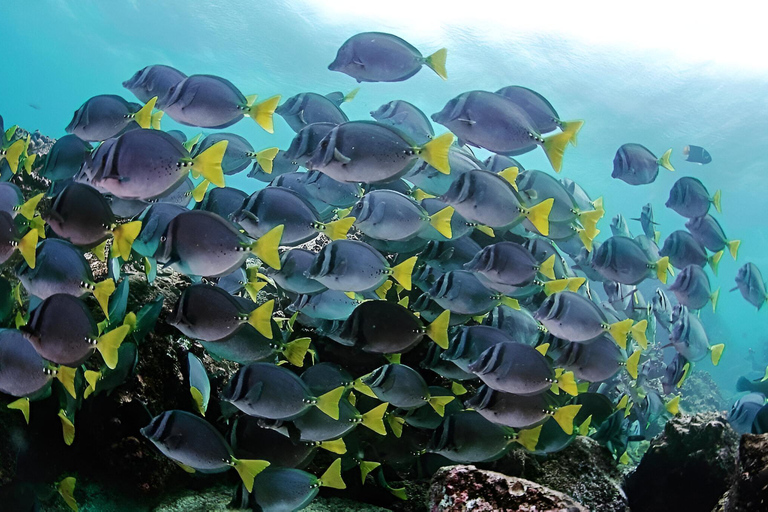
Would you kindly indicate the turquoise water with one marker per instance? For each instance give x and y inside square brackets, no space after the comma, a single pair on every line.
[66,52]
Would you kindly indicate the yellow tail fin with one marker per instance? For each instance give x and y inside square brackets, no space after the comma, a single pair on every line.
[632,362]
[458,389]
[564,417]
[102,291]
[402,272]
[66,376]
[584,427]
[144,116]
[420,195]
[332,476]
[585,238]
[436,62]
[66,490]
[554,147]
[296,350]
[396,424]
[638,333]
[22,404]
[337,229]
[662,267]
[510,175]
[438,403]
[714,297]
[435,152]
[337,446]
[543,348]
[714,261]
[92,378]
[266,247]
[438,330]
[125,234]
[441,221]
[108,343]
[329,402]
[733,247]
[539,215]
[13,153]
[567,383]
[190,143]
[248,470]
[592,216]
[198,193]
[487,230]
[67,428]
[619,331]
[717,201]
[366,467]
[664,160]
[262,113]
[208,163]
[374,419]
[547,267]
[155,119]
[574,283]
[351,95]
[28,247]
[510,302]
[28,208]
[529,438]
[197,396]
[717,353]
[261,318]
[555,286]
[38,224]
[673,406]
[265,158]
[572,128]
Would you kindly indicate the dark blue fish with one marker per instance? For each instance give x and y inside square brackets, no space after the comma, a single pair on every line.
[154,220]
[498,163]
[281,164]
[690,198]
[697,154]
[308,108]
[65,158]
[213,102]
[540,110]
[406,117]
[290,277]
[744,411]
[636,165]
[692,288]
[106,116]
[621,259]
[750,283]
[683,249]
[239,153]
[467,437]
[647,223]
[708,232]
[223,201]
[596,361]
[154,82]
[404,387]
[381,57]
[690,339]
[429,180]
[306,141]
[390,215]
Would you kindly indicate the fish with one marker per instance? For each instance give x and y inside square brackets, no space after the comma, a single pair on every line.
[636,165]
[105,380]
[403,387]
[697,154]
[328,191]
[460,291]
[270,207]
[327,433]
[497,163]
[683,249]
[689,337]
[430,181]
[11,240]
[61,268]
[744,411]
[239,153]
[353,266]
[80,215]
[339,98]
[619,226]
[692,288]
[12,201]
[154,220]
[196,444]
[199,384]
[65,158]
[597,361]
[309,108]
[690,198]
[63,331]
[209,101]
[509,264]
[708,232]
[390,215]
[382,57]
[305,142]
[471,341]
[201,243]
[467,437]
[758,385]
[540,110]
[408,118]
[292,489]
[326,305]
[521,370]
[675,373]
[491,200]
[282,163]
[371,152]
[447,369]
[749,282]
[251,439]
[621,259]
[154,82]
[647,222]
[223,201]
[147,164]
[291,276]
[383,327]
[107,115]
[522,412]
[662,308]
[517,323]
[207,312]
[269,391]
[493,122]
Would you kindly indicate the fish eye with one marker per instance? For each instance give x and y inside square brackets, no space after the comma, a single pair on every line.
[324,144]
[163,238]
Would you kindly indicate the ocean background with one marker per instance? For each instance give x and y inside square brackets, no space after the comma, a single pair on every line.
[655,74]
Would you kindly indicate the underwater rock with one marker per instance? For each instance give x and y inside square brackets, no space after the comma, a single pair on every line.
[464,488]
[701,394]
[749,490]
[687,467]
[584,470]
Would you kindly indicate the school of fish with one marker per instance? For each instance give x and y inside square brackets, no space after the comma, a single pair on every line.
[395,303]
